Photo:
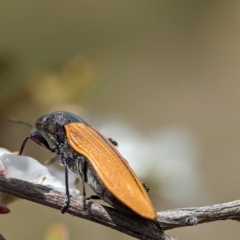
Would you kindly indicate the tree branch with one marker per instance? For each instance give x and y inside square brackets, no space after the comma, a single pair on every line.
[195,215]
[131,225]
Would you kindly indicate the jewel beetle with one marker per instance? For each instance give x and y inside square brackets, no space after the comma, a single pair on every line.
[95,160]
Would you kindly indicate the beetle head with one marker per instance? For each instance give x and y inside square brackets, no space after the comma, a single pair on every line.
[49,131]
[51,126]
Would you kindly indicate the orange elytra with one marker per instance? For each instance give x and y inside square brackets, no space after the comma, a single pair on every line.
[95,160]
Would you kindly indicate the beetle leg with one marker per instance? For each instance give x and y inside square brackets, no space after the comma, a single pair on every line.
[113,142]
[145,186]
[96,197]
[76,181]
[67,201]
[83,167]
[51,161]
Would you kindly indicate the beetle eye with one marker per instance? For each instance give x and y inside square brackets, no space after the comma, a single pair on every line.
[41,141]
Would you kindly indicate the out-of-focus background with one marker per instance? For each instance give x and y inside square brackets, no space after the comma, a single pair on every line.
[160,77]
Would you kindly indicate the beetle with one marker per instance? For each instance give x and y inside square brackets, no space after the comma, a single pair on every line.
[95,160]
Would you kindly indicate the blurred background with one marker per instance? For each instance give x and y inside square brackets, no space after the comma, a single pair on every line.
[160,77]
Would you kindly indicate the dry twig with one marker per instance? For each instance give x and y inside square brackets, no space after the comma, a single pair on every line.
[139,228]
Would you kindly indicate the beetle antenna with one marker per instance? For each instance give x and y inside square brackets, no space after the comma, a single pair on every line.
[13,120]
[24,144]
